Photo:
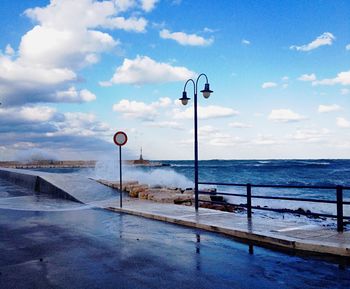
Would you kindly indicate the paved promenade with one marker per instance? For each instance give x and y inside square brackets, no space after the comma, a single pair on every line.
[272,232]
[280,233]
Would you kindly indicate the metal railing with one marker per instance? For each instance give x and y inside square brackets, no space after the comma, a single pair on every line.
[339,202]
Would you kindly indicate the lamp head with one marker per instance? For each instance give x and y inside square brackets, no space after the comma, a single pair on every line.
[184,99]
[206,91]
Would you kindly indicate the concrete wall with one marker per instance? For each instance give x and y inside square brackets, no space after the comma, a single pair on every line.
[35,183]
[43,186]
[24,180]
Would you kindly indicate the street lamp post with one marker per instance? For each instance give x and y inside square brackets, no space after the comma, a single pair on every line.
[184,100]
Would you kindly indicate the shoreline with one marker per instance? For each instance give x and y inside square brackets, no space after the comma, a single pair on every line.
[51,164]
[48,164]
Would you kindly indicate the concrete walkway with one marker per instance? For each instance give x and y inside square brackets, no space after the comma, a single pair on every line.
[272,232]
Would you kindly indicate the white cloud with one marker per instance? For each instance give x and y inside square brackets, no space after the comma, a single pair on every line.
[124,5]
[81,124]
[328,108]
[326,38]
[343,122]
[285,116]
[141,110]
[209,30]
[268,85]
[68,135]
[214,137]
[165,124]
[307,77]
[50,47]
[127,24]
[245,42]
[205,112]
[185,39]
[9,50]
[148,5]
[135,109]
[342,78]
[347,47]
[239,125]
[344,91]
[29,114]
[21,84]
[31,76]
[67,36]
[309,135]
[143,69]
[265,140]
[72,95]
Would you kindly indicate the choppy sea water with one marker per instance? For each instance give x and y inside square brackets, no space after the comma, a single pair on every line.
[270,172]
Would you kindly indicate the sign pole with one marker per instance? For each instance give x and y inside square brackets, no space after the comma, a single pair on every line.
[120,138]
[120,177]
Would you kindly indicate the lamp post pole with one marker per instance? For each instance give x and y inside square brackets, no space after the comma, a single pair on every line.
[184,99]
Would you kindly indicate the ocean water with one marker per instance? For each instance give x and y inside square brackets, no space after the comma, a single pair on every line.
[267,172]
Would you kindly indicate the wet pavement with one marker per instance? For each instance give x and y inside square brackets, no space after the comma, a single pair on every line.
[293,235]
[58,245]
[278,233]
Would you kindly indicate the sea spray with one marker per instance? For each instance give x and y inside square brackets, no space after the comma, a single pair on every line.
[166,177]
[34,154]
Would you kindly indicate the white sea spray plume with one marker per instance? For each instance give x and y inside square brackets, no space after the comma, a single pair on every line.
[165,177]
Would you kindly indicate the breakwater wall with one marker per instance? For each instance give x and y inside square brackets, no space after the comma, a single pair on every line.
[64,186]
[47,164]
[35,182]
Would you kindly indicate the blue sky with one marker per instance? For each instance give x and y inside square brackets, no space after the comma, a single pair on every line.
[74,72]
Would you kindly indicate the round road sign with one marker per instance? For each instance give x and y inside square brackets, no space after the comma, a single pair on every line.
[120,138]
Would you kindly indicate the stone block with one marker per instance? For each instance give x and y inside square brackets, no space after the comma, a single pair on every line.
[134,192]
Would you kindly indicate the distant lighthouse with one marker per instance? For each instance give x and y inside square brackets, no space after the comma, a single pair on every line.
[146,163]
[141,158]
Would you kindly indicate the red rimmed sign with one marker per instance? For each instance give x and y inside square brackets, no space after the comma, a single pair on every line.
[120,138]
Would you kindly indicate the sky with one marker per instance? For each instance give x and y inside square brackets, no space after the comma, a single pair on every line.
[72,73]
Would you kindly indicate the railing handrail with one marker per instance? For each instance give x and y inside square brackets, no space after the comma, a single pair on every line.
[276,186]
[276,198]
[339,198]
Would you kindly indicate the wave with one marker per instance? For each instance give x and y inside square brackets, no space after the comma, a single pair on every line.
[181,166]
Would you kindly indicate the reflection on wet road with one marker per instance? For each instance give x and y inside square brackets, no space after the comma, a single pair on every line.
[46,243]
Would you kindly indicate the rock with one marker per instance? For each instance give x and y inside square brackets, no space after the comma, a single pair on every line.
[215,198]
[205,198]
[224,207]
[188,191]
[156,187]
[161,197]
[209,190]
[144,194]
[181,199]
[134,192]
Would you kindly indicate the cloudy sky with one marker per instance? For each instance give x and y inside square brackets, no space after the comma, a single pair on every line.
[74,72]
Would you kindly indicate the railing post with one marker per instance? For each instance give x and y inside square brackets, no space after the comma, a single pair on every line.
[340,220]
[249,200]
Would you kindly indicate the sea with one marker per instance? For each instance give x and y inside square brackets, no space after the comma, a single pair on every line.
[321,172]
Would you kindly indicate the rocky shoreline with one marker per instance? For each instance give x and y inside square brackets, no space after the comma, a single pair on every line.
[176,196]
[185,197]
